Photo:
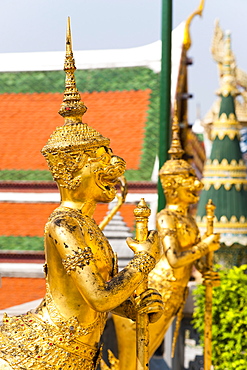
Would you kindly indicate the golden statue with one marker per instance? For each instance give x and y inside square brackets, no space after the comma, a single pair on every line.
[182,247]
[82,283]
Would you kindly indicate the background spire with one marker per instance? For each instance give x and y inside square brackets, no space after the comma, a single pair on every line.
[228,86]
[224,176]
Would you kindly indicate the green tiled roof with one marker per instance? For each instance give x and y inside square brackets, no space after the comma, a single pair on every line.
[31,243]
[118,79]
[25,175]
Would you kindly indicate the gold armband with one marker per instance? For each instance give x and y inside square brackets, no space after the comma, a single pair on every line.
[143,262]
[79,258]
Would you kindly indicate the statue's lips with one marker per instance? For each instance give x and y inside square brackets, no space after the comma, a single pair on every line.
[195,195]
[108,177]
[196,189]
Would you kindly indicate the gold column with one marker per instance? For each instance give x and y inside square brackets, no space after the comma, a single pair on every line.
[142,212]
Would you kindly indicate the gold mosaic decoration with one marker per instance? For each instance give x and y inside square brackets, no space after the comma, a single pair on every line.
[90,225]
[143,262]
[78,136]
[22,348]
[77,259]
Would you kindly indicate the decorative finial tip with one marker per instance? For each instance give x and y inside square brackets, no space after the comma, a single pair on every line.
[175,151]
[68,38]
[72,108]
[228,70]
[210,204]
[142,210]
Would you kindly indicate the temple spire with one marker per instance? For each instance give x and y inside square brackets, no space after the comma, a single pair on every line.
[224,176]
[228,86]
[72,108]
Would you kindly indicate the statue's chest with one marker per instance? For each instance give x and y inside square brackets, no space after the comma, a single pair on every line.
[187,231]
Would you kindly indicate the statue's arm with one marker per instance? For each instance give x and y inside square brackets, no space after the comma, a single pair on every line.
[176,256]
[79,262]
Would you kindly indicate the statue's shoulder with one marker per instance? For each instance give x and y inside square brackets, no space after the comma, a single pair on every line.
[167,222]
[63,217]
[166,219]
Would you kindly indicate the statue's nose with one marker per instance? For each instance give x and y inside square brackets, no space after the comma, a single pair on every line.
[115,160]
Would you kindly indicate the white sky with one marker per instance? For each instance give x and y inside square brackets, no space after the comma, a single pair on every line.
[39,25]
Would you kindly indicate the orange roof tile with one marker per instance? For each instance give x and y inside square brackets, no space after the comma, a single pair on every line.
[24,219]
[15,291]
[29,219]
[27,120]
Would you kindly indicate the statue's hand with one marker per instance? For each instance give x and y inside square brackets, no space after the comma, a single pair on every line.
[213,242]
[151,245]
[150,302]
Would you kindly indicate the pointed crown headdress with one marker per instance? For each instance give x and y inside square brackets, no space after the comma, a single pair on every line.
[67,145]
[175,165]
[74,134]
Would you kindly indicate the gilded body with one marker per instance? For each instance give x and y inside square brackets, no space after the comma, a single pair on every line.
[182,249]
[82,282]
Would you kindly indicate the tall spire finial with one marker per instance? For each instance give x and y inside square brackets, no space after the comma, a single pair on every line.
[228,56]
[175,151]
[72,107]
[69,40]
[228,70]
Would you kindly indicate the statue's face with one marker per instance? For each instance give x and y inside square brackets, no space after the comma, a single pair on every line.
[188,190]
[100,174]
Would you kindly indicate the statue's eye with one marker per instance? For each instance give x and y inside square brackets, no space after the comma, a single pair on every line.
[106,158]
[108,150]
